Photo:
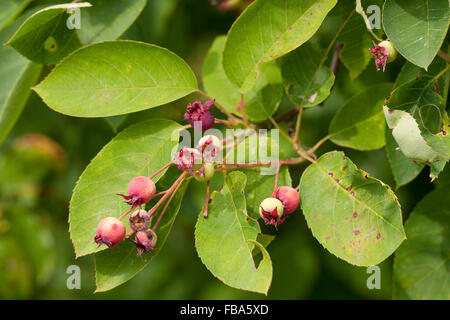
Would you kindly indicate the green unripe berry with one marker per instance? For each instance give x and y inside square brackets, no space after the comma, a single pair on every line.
[206,173]
[391,51]
[271,207]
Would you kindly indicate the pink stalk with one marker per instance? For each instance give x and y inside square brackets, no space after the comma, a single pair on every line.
[126,213]
[168,193]
[205,213]
[162,169]
[174,191]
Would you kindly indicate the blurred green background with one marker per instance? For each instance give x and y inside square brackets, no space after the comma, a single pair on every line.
[46,152]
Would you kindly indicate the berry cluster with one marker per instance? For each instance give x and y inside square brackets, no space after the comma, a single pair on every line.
[111,231]
[283,202]
[200,163]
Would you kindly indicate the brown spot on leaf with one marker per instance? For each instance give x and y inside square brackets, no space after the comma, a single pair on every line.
[356,232]
[349,188]
[378,236]
[355,214]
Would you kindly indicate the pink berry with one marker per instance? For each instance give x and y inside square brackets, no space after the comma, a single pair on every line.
[140,190]
[188,159]
[145,241]
[110,231]
[289,197]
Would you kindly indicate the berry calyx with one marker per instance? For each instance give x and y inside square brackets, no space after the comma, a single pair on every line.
[145,241]
[205,173]
[383,52]
[110,231]
[139,220]
[271,210]
[188,159]
[199,116]
[210,147]
[140,190]
[289,197]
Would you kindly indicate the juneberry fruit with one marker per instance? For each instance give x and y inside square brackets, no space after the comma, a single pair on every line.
[289,198]
[110,231]
[139,220]
[271,210]
[210,147]
[145,241]
[199,116]
[140,190]
[205,173]
[188,159]
[383,52]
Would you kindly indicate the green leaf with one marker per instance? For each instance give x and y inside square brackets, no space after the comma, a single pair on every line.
[407,134]
[416,27]
[360,123]
[44,37]
[355,54]
[261,102]
[354,216]
[108,20]
[421,264]
[224,240]
[139,150]
[306,81]
[415,112]
[9,9]
[266,30]
[404,170]
[118,265]
[265,103]
[215,80]
[18,76]
[116,77]
[259,187]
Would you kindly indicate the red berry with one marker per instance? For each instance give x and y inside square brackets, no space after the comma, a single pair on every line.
[140,190]
[145,241]
[110,231]
[289,197]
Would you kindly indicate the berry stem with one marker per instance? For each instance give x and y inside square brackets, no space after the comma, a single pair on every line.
[162,169]
[444,55]
[297,125]
[261,164]
[205,213]
[168,192]
[172,191]
[318,144]
[159,194]
[126,213]
[276,125]
[276,180]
